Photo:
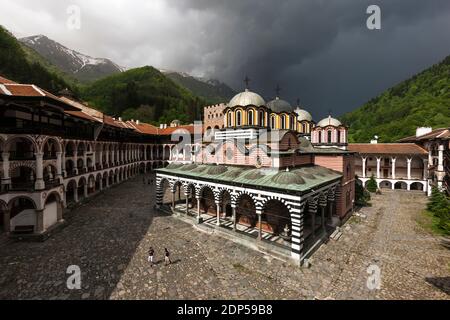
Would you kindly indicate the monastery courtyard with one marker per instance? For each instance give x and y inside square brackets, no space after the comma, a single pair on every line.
[108,238]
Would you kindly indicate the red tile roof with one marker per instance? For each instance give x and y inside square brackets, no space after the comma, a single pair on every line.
[6,81]
[387,148]
[170,130]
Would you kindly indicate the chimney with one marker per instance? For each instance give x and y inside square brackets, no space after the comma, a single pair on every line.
[374,140]
[138,122]
[423,131]
[120,118]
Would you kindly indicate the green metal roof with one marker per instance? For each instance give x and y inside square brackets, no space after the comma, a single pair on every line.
[298,179]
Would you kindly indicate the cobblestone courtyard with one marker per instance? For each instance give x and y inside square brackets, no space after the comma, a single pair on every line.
[109,238]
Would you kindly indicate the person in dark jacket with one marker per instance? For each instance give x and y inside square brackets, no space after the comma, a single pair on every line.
[167,260]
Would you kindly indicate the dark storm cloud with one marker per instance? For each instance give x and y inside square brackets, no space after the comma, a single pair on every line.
[319,51]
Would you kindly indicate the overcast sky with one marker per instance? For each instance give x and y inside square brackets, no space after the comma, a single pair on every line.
[319,51]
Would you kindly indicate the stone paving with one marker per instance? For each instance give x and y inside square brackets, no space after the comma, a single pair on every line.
[110,235]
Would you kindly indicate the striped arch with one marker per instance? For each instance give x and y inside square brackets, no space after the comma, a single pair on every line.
[269,198]
[258,203]
[313,204]
[332,194]
[187,187]
[322,201]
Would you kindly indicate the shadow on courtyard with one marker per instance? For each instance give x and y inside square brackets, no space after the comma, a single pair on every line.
[101,237]
[442,283]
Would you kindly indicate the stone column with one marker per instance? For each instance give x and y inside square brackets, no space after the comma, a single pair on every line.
[322,212]
[199,218]
[85,161]
[86,189]
[75,162]
[59,165]
[75,194]
[39,184]
[7,220]
[259,213]
[173,200]
[364,167]
[330,210]
[409,167]
[100,166]
[6,179]
[40,221]
[151,152]
[425,169]
[378,168]
[187,203]
[441,158]
[233,208]
[218,213]
[393,159]
[63,165]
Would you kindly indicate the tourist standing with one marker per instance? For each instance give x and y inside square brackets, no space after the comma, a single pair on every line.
[167,257]
[151,253]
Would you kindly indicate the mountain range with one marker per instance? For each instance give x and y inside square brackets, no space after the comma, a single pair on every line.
[153,96]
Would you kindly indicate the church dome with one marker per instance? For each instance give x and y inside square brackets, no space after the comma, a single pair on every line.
[247,98]
[329,122]
[279,105]
[303,115]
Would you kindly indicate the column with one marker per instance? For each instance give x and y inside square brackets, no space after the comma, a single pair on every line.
[409,167]
[100,154]
[151,152]
[63,165]
[425,169]
[75,162]
[378,168]
[322,212]
[173,200]
[6,179]
[59,165]
[330,210]
[218,213]
[39,184]
[199,218]
[233,208]
[85,161]
[86,189]
[393,159]
[187,203]
[39,221]
[259,214]
[364,159]
[7,220]
[441,158]
[94,160]
[75,194]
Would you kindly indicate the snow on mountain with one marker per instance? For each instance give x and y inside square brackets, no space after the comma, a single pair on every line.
[81,66]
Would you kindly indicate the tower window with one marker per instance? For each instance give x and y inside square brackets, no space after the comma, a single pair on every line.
[238,118]
[329,136]
[250,118]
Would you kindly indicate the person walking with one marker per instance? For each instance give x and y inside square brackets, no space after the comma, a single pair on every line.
[167,260]
[151,253]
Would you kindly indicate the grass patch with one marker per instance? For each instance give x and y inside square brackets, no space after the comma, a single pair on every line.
[429,223]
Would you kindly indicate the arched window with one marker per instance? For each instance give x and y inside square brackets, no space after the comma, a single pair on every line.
[329,136]
[238,118]
[250,117]
[339,137]
[292,123]
[229,119]
[283,122]
[272,122]
[320,136]
[261,118]
[304,127]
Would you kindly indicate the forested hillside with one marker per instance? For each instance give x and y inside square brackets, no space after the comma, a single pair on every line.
[423,100]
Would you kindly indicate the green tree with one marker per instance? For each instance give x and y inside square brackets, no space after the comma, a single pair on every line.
[362,196]
[439,206]
[372,184]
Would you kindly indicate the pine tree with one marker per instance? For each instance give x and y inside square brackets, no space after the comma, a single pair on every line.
[372,184]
